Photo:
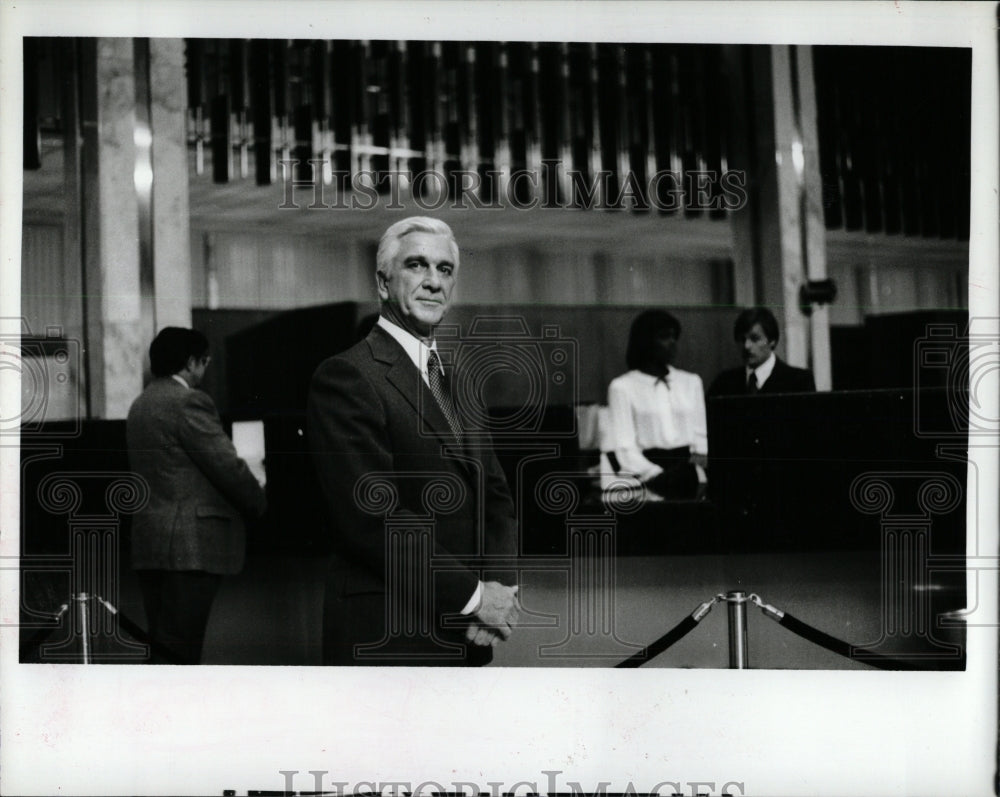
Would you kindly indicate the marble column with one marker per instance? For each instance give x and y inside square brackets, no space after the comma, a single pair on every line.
[171,219]
[116,334]
[779,238]
[800,207]
[812,222]
[134,209]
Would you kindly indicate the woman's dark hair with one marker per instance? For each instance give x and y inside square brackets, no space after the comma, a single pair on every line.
[170,350]
[647,327]
[756,315]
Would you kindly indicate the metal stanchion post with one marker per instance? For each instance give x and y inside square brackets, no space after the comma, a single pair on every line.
[737,630]
[83,617]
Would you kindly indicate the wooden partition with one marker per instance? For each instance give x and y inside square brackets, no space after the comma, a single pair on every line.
[268,366]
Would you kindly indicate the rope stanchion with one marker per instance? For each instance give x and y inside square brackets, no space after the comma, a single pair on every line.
[834,645]
[127,625]
[738,656]
[675,634]
[83,617]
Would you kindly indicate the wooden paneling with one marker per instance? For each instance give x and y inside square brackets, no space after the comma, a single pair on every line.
[879,273]
[49,296]
[274,271]
[237,266]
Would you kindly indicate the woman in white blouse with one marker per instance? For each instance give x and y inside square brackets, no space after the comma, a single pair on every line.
[657,412]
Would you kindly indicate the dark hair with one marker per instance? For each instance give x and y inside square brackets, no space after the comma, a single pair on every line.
[648,326]
[170,350]
[756,315]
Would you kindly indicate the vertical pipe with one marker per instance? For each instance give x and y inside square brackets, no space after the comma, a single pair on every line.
[70,64]
[143,180]
[596,168]
[737,630]
[81,153]
[32,134]
[262,112]
[83,617]
[564,134]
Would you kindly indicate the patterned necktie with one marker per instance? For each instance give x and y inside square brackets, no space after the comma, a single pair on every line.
[752,387]
[441,394]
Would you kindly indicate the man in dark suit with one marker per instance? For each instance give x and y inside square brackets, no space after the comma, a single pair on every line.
[421,517]
[191,531]
[756,333]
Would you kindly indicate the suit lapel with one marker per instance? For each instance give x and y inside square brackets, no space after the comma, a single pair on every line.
[774,382]
[404,376]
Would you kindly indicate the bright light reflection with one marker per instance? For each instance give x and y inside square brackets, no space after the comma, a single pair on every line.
[798,157]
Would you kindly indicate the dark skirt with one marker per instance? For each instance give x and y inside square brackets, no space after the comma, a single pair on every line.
[679,480]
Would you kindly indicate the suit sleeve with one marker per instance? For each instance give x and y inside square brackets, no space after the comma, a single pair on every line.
[205,441]
[348,438]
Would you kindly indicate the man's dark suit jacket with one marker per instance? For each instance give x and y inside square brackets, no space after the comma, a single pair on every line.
[377,437]
[783,379]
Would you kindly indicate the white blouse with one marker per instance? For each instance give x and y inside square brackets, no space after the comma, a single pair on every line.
[650,412]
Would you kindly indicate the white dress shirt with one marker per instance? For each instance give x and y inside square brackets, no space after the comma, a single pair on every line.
[763,371]
[652,412]
[415,348]
[418,352]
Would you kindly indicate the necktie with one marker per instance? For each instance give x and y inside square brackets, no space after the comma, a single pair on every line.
[752,387]
[441,394]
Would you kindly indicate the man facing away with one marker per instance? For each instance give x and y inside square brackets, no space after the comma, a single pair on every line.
[191,531]
[756,334]
[382,422]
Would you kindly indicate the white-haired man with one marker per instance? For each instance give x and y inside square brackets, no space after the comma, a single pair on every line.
[381,416]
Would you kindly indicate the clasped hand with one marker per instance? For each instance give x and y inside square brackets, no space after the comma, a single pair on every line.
[496,615]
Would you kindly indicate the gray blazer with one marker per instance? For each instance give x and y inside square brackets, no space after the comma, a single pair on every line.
[198,486]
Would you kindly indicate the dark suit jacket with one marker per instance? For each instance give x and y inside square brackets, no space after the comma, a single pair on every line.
[198,486]
[783,379]
[389,466]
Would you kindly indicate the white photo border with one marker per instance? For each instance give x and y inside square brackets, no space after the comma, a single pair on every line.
[139,730]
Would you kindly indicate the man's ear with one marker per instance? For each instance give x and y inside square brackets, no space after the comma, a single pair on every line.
[191,364]
[381,282]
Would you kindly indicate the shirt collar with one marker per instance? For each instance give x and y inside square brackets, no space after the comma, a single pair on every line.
[415,348]
[763,370]
[180,380]
[653,380]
